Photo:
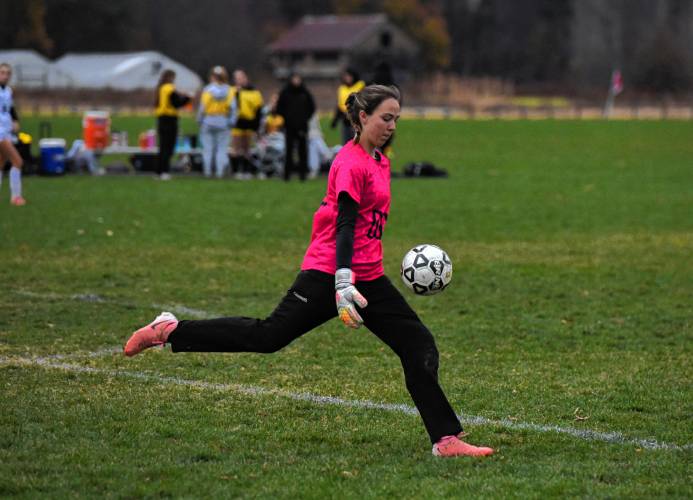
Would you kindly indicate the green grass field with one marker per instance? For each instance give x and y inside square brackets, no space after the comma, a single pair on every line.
[570,307]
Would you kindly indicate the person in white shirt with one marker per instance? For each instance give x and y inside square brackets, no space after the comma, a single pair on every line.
[215,116]
[9,124]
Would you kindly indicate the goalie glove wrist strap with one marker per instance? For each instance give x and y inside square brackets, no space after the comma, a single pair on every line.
[343,278]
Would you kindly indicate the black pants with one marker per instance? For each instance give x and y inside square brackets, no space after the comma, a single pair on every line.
[167,129]
[296,138]
[242,165]
[309,303]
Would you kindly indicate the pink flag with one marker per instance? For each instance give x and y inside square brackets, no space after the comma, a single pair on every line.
[616,82]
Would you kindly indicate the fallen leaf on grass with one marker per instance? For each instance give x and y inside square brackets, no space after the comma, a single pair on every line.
[579,417]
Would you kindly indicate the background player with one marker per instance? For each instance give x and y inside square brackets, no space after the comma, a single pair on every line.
[9,124]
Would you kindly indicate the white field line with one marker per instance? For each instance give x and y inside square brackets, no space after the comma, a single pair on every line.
[92,297]
[81,354]
[46,362]
[249,390]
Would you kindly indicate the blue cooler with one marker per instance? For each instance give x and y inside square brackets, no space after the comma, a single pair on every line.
[52,156]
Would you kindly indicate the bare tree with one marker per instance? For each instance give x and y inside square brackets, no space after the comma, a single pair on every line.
[650,41]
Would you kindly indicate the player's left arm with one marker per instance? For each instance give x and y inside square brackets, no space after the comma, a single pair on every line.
[346,294]
[347,212]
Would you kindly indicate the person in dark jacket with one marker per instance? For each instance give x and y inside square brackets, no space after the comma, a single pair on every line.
[382,74]
[296,105]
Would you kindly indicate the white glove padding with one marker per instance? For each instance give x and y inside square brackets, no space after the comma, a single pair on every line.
[348,297]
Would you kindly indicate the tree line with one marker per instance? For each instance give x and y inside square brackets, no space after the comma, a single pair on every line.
[570,43]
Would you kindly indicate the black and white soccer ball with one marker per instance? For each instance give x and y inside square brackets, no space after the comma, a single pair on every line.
[426,269]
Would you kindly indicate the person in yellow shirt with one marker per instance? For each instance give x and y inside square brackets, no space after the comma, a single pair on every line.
[350,83]
[167,103]
[268,151]
[248,105]
[274,122]
[215,118]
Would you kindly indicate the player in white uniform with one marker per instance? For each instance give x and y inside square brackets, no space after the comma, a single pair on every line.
[9,125]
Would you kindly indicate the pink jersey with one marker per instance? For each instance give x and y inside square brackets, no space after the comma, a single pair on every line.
[367,181]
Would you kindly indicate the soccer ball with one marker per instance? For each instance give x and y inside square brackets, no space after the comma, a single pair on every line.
[426,269]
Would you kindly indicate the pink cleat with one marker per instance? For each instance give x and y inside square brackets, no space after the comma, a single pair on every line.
[452,446]
[155,333]
[17,201]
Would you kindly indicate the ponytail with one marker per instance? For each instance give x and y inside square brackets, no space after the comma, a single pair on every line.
[353,114]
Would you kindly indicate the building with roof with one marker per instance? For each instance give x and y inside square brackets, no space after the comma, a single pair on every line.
[322,46]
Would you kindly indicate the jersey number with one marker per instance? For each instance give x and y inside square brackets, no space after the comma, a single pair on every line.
[375,231]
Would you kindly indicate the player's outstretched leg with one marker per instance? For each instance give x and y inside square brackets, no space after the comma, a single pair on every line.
[307,304]
[155,333]
[453,446]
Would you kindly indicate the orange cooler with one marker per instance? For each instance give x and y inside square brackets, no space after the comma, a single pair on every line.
[96,126]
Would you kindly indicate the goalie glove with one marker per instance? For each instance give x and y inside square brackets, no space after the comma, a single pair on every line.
[348,297]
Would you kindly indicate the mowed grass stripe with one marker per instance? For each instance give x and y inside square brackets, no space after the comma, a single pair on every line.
[586,434]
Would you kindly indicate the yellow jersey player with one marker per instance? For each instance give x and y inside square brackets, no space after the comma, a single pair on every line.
[248,104]
[350,83]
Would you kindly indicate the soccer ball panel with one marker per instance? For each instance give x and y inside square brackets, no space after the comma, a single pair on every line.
[420,260]
[408,274]
[419,289]
[423,276]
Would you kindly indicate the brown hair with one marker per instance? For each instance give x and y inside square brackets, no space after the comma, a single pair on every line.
[366,100]
[167,76]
